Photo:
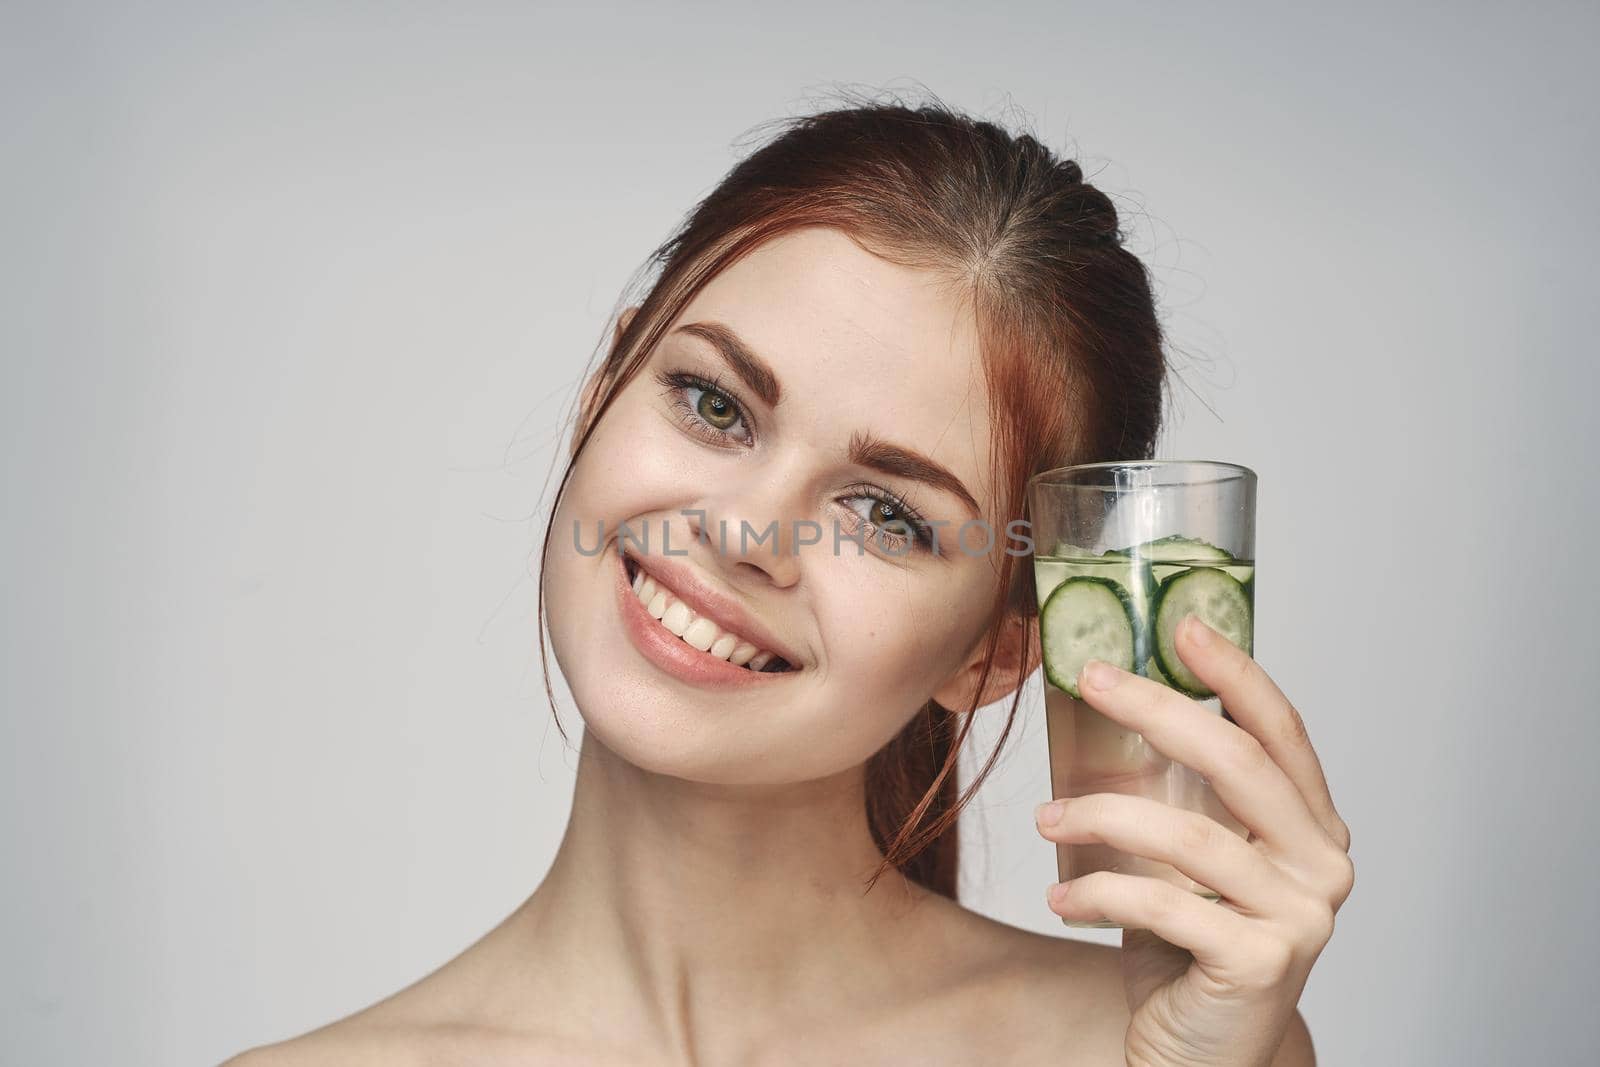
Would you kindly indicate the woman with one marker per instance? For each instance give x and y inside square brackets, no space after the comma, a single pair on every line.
[874,330]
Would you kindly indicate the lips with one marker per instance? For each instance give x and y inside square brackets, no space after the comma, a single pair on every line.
[683,612]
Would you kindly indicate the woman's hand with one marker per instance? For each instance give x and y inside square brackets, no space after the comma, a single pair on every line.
[1212,982]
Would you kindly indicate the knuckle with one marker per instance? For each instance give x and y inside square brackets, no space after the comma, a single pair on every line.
[1090,887]
[1095,809]
[1317,923]
[1150,903]
[1340,831]
[1240,667]
[1294,728]
[1245,752]
[1344,878]
[1195,833]
[1162,901]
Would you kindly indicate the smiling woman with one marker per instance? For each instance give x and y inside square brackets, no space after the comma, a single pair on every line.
[857,348]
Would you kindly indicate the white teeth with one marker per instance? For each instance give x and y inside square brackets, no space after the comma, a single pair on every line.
[699,633]
[676,620]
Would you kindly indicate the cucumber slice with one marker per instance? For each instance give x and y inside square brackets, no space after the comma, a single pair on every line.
[1087,618]
[1051,571]
[1239,572]
[1173,554]
[1177,546]
[1218,599]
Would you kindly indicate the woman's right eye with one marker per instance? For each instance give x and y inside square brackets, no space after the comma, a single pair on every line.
[706,409]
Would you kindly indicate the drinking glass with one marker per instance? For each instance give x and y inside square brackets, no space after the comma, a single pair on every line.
[1122,552]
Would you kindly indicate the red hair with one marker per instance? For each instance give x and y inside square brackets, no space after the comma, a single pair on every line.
[1071,347]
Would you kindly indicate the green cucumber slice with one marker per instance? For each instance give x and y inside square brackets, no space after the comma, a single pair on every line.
[1169,555]
[1239,572]
[1132,575]
[1087,618]
[1176,546]
[1218,599]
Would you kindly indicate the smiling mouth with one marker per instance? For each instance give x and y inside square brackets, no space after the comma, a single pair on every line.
[697,631]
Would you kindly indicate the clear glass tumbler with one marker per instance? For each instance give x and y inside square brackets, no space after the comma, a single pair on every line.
[1122,552]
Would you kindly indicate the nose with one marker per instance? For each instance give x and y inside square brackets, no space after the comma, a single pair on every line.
[757,527]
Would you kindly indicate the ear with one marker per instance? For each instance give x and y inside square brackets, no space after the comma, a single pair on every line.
[1016,655]
[622,324]
[591,388]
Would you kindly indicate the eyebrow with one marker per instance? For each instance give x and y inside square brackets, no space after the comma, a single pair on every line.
[865,449]
[868,451]
[745,363]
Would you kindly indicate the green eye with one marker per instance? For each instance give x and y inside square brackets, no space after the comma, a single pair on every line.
[891,522]
[716,409]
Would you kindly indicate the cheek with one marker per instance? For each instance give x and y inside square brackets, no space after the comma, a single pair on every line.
[636,462]
[893,637]
[630,467]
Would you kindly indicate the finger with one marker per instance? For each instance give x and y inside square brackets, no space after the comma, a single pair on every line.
[1216,934]
[1244,777]
[1260,707]
[1195,844]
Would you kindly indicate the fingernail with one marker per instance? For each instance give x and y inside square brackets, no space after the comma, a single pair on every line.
[1100,675]
[1199,632]
[1056,893]
[1048,813]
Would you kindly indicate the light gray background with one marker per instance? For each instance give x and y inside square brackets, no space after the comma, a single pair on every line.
[294,296]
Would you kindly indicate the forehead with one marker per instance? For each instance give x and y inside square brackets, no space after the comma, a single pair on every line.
[858,342]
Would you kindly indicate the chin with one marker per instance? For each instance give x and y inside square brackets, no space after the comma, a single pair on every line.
[723,741]
[712,739]
[661,740]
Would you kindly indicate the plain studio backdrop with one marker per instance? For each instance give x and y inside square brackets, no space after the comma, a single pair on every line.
[296,296]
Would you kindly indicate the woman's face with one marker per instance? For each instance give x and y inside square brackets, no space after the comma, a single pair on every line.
[859,398]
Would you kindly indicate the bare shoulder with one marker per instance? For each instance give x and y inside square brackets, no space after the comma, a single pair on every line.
[1062,996]
[1012,955]
[435,1021]
[350,1044]
[322,1048]
[1074,989]
[373,1036]
[386,1032]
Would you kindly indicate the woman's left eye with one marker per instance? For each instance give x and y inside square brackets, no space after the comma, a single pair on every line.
[894,525]
[715,408]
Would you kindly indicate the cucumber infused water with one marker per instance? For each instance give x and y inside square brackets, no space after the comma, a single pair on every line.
[1124,605]
[1109,590]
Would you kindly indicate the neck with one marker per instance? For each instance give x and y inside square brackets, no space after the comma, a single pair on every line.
[689,902]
